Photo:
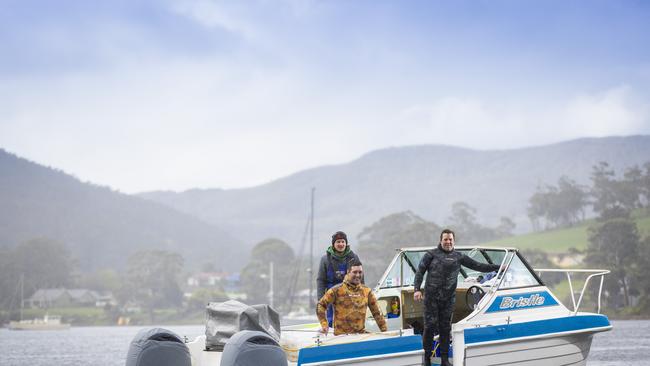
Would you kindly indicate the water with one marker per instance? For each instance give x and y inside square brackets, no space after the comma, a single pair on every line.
[627,344]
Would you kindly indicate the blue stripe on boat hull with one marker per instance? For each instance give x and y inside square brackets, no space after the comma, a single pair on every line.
[534,328]
[360,349]
[387,346]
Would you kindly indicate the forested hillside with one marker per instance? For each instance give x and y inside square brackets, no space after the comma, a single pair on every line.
[99,226]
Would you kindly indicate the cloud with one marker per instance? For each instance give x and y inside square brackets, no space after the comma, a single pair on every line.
[175,125]
[217,14]
[486,123]
[612,112]
[180,94]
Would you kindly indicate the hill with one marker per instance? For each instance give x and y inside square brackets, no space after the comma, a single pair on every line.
[560,240]
[423,179]
[101,227]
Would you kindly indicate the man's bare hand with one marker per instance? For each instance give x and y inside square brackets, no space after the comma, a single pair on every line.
[417,296]
[324,329]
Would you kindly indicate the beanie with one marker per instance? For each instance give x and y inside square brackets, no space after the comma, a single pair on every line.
[339,235]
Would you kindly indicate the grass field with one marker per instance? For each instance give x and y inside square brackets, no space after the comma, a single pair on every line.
[559,241]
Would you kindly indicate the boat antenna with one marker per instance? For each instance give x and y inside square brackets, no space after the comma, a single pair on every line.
[299,269]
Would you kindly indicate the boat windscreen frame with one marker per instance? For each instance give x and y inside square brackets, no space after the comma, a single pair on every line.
[530,269]
[515,252]
[403,257]
[510,253]
[392,263]
[487,257]
[408,261]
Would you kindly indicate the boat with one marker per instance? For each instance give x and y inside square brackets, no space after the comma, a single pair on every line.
[505,318]
[47,322]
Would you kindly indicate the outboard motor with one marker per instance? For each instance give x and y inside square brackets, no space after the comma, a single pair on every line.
[253,348]
[157,347]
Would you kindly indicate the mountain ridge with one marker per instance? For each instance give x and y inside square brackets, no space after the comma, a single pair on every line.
[425,179]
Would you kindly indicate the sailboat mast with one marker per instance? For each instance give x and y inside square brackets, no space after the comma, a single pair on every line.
[311,252]
[22,294]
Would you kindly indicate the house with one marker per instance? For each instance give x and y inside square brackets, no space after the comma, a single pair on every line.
[51,297]
[104,298]
[205,279]
[82,297]
[61,297]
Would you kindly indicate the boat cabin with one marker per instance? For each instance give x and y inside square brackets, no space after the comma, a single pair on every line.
[491,307]
[395,289]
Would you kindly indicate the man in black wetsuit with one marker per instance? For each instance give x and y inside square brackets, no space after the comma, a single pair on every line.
[442,266]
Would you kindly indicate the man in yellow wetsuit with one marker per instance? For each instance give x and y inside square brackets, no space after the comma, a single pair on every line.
[350,300]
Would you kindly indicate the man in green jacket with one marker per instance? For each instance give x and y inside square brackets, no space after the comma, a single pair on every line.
[333,267]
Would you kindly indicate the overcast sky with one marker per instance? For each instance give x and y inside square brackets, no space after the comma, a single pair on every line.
[163,94]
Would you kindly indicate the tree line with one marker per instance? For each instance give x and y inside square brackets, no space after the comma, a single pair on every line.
[566,204]
[151,279]
[614,240]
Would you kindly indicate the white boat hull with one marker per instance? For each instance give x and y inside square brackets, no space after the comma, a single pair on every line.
[563,350]
[351,354]
[37,326]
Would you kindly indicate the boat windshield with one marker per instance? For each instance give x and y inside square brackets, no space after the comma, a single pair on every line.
[490,256]
[519,274]
[402,271]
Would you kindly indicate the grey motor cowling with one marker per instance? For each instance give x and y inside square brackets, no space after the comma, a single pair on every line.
[157,347]
[253,348]
[225,319]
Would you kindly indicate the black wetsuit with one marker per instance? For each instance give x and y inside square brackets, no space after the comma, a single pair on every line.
[442,270]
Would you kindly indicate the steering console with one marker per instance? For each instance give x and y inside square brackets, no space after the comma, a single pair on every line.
[473,295]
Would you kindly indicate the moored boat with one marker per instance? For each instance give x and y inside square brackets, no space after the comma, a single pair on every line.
[47,322]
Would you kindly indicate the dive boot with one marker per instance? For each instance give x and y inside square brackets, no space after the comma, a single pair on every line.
[444,360]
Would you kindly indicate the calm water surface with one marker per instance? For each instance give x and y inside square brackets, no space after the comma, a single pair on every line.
[627,344]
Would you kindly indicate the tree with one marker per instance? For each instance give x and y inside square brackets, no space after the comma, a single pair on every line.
[616,198]
[43,263]
[463,222]
[537,258]
[603,187]
[570,202]
[641,275]
[505,228]
[614,245]
[560,206]
[152,279]
[537,208]
[201,297]
[463,216]
[101,280]
[631,188]
[378,242]
[254,276]
[645,185]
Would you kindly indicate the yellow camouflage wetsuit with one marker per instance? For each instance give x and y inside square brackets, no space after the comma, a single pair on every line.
[350,302]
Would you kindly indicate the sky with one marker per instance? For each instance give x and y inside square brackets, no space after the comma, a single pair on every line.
[143,95]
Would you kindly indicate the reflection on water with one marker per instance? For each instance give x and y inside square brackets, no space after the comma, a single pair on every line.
[627,344]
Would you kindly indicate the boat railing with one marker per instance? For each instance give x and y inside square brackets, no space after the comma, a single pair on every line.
[592,273]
